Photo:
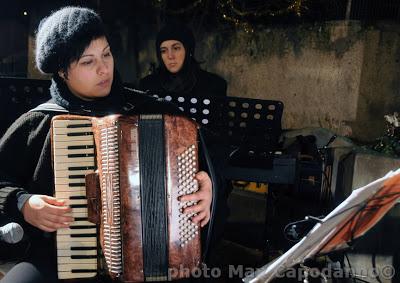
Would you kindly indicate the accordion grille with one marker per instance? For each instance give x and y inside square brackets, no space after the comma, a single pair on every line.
[187,168]
[111,203]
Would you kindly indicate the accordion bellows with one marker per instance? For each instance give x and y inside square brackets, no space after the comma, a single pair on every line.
[144,164]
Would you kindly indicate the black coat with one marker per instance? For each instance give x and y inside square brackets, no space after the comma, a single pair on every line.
[207,85]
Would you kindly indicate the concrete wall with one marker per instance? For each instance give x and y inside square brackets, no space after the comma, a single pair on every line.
[337,75]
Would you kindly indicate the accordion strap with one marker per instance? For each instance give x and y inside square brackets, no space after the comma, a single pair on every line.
[51,107]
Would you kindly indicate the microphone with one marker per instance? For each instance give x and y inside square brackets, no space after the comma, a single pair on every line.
[11,233]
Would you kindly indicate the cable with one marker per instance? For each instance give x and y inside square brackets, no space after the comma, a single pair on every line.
[373,259]
[350,268]
[351,273]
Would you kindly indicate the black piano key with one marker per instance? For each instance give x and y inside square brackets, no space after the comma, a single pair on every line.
[78,168]
[76,176]
[72,147]
[83,248]
[77,205]
[80,219]
[83,235]
[83,270]
[82,226]
[85,125]
[77,197]
[83,256]
[77,155]
[76,184]
[79,134]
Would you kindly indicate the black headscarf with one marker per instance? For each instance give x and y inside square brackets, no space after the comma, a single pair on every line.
[184,81]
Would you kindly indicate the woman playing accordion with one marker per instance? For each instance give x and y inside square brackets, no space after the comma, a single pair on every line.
[71,45]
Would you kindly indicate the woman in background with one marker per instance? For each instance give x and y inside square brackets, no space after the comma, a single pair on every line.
[178,72]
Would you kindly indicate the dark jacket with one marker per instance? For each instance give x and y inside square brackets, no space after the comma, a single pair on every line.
[206,85]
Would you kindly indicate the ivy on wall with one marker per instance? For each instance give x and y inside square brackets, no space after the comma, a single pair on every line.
[250,14]
[389,143]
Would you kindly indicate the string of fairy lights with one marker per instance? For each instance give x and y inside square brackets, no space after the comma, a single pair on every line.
[244,13]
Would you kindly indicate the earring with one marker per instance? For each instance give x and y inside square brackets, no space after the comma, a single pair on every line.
[63,75]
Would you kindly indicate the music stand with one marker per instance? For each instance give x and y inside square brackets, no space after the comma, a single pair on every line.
[234,118]
[350,220]
[18,95]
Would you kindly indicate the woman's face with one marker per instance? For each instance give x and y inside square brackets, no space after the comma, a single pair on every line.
[91,76]
[173,55]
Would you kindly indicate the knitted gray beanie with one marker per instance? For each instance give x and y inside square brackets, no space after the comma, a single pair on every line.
[62,30]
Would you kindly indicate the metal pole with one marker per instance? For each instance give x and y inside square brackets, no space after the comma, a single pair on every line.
[348,9]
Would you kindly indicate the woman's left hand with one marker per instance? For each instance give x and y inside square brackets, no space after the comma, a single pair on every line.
[203,198]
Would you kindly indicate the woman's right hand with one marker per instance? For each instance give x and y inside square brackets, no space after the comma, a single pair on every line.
[47,213]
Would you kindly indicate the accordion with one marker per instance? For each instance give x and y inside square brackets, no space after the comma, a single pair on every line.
[123,176]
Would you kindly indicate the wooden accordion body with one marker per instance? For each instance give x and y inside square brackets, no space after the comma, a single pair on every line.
[144,163]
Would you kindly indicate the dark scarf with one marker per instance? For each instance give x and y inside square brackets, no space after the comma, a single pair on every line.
[112,103]
[182,82]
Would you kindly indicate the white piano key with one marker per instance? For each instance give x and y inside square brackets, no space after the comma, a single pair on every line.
[65,166]
[68,238]
[65,123]
[69,245]
[78,210]
[68,266]
[68,231]
[69,252]
[67,195]
[65,144]
[67,259]
[66,188]
[66,151]
[69,275]
[72,160]
[82,222]
[67,173]
[58,138]
[65,131]
[77,214]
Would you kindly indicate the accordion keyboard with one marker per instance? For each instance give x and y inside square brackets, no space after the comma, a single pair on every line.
[73,158]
